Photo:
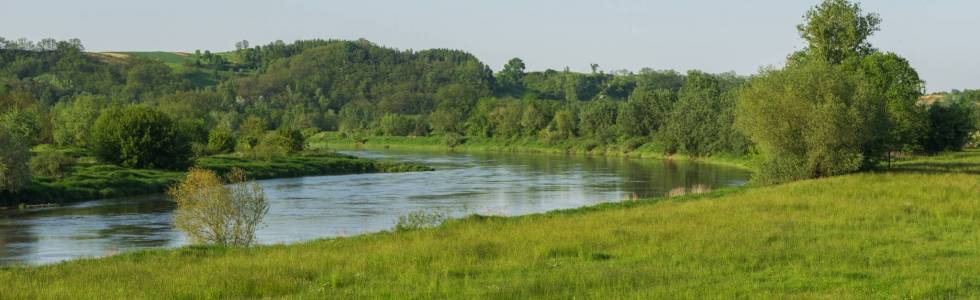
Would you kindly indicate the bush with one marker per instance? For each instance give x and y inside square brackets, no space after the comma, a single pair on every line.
[210,212]
[140,137]
[280,142]
[453,139]
[51,164]
[402,125]
[420,220]
[220,140]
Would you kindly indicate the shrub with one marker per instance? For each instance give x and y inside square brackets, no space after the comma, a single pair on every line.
[220,140]
[51,164]
[420,220]
[402,125]
[140,137]
[212,213]
[453,139]
[280,142]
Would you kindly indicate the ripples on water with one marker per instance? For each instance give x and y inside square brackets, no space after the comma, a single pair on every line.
[326,206]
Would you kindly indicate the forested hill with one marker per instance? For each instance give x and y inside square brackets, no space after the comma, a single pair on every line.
[335,73]
[53,92]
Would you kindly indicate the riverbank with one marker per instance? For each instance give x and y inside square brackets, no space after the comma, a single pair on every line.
[88,181]
[578,146]
[904,233]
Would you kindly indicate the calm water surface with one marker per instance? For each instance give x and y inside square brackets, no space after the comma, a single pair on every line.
[328,206]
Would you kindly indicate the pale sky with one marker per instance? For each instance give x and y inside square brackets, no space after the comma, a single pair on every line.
[939,37]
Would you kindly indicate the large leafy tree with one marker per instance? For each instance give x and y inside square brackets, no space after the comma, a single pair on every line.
[14,153]
[510,80]
[837,29]
[696,125]
[838,106]
[140,137]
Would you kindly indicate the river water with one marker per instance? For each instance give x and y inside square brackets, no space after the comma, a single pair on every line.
[314,207]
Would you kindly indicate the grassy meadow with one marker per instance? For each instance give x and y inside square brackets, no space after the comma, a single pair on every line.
[585,146]
[908,232]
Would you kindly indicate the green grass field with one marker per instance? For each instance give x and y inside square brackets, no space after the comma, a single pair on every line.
[169,58]
[336,140]
[911,232]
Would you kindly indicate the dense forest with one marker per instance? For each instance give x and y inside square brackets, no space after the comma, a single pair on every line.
[837,106]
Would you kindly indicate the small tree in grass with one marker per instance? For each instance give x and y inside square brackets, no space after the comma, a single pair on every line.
[212,213]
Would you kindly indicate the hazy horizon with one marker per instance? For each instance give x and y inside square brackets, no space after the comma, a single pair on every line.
[714,36]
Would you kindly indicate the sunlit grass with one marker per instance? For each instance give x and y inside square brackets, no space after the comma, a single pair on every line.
[585,146]
[909,233]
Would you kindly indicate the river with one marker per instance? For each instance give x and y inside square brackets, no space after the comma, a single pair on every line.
[314,207]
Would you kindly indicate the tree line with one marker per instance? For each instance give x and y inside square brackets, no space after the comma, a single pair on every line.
[839,105]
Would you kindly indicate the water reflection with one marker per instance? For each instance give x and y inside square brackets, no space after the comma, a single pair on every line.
[323,206]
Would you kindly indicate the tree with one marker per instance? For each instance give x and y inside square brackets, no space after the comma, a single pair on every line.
[210,212]
[950,125]
[32,124]
[839,106]
[72,121]
[811,120]
[510,80]
[645,111]
[140,137]
[837,29]
[900,87]
[598,120]
[14,153]
[695,125]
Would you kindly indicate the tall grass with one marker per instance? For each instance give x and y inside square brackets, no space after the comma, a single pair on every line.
[908,233]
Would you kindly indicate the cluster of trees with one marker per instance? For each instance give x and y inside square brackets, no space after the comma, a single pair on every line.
[837,106]
[840,105]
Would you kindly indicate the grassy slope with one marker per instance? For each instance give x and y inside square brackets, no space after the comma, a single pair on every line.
[912,232]
[334,140]
[95,180]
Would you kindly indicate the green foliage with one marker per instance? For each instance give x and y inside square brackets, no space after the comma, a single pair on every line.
[838,29]
[645,112]
[510,80]
[597,120]
[402,125]
[810,120]
[951,125]
[838,107]
[221,140]
[280,142]
[701,119]
[14,153]
[31,124]
[51,163]
[140,137]
[72,121]
[453,140]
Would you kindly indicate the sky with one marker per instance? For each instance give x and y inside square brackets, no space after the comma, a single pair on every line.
[938,37]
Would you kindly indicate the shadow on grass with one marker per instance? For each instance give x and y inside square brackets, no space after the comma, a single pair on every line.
[933,167]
